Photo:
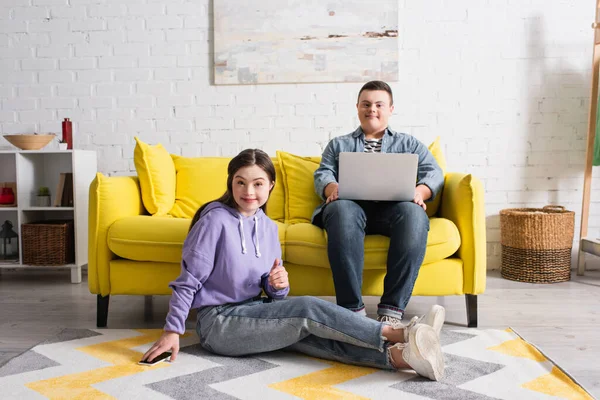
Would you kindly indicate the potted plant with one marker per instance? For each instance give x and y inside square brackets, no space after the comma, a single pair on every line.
[43,197]
[62,144]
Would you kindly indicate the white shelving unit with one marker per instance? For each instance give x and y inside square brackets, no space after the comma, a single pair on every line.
[32,169]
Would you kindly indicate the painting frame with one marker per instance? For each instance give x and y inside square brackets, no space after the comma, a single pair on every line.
[290,41]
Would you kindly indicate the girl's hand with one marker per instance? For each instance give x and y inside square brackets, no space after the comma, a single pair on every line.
[168,341]
[278,276]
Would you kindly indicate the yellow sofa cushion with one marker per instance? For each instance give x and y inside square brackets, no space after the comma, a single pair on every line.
[275,205]
[203,179]
[300,196]
[156,172]
[306,244]
[436,150]
[199,180]
[144,238]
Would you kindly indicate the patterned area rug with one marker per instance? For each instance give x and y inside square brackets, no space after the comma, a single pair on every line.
[102,364]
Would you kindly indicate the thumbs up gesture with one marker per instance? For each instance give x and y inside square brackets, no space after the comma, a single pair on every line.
[278,276]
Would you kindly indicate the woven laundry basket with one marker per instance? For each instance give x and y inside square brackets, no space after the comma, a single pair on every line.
[536,244]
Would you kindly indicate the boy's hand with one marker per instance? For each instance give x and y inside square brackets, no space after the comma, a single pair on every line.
[168,341]
[422,194]
[332,192]
[419,200]
[278,276]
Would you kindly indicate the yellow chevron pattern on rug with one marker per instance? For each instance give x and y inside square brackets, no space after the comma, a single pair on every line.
[557,383]
[102,364]
[320,385]
[116,352]
[519,348]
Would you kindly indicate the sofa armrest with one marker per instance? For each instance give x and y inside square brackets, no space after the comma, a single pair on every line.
[462,203]
[111,198]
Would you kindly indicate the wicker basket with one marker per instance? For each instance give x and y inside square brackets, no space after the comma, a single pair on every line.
[48,243]
[536,244]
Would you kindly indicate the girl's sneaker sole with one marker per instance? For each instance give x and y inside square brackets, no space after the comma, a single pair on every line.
[427,345]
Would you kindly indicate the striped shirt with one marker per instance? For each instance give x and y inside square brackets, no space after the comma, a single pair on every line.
[373,145]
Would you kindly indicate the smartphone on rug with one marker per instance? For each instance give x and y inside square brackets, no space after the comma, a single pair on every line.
[158,359]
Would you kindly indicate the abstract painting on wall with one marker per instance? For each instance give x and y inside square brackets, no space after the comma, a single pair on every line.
[294,41]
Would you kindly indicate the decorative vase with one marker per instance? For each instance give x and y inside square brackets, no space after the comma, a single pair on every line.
[7,196]
[63,146]
[67,132]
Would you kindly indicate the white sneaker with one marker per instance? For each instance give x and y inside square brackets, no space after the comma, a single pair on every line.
[423,352]
[434,317]
[394,322]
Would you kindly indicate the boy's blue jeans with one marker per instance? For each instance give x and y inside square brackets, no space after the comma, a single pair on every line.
[305,324]
[347,222]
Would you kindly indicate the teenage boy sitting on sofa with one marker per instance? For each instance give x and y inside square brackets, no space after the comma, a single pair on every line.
[347,221]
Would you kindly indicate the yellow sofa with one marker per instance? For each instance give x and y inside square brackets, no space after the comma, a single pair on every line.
[134,253]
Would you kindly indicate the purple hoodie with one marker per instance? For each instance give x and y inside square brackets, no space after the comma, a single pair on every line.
[226,259]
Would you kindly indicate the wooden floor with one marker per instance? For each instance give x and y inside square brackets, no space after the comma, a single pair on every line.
[563,319]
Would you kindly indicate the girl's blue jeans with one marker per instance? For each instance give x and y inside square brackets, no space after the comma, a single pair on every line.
[304,324]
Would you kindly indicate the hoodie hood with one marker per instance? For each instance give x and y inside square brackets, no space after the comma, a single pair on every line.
[255,219]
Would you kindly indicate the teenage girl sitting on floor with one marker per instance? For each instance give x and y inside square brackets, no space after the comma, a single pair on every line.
[232,253]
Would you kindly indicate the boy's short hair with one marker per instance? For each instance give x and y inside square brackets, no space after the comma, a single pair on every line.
[377,85]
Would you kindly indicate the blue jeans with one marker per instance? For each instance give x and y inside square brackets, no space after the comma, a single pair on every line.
[304,324]
[347,222]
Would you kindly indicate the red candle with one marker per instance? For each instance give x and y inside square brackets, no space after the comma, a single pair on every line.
[67,132]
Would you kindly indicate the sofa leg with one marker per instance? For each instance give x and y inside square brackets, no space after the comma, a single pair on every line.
[471,300]
[101,311]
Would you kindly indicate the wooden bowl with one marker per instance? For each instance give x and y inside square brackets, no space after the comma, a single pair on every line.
[29,142]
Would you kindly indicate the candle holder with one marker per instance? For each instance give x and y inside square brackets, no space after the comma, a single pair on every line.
[10,242]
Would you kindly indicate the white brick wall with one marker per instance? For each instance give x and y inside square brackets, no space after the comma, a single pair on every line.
[504,83]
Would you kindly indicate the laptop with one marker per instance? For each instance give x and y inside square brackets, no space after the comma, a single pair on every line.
[378,176]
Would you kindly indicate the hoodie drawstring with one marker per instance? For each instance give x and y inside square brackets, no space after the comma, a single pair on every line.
[256,244]
[242,236]
[254,238]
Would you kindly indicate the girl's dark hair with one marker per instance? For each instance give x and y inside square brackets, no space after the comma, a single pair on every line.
[246,158]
